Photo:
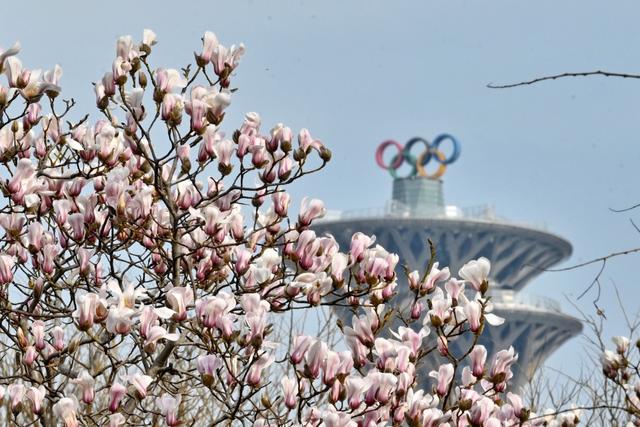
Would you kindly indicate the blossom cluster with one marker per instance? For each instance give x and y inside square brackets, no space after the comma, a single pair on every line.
[148,258]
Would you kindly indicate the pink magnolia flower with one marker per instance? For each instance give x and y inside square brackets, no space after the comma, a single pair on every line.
[66,410]
[16,394]
[435,275]
[310,209]
[480,412]
[501,367]
[316,356]
[478,358]
[116,393]
[209,44]
[476,272]
[411,338]
[290,390]
[76,221]
[255,371]
[46,258]
[516,404]
[4,54]
[363,329]
[58,338]
[86,382]
[148,37]
[120,319]
[306,141]
[36,396]
[355,388]
[281,202]
[7,262]
[35,236]
[214,312]
[207,366]
[37,329]
[225,60]
[157,333]
[454,288]
[280,134]
[622,344]
[30,355]
[441,309]
[197,109]
[172,107]
[140,382]
[301,344]
[167,80]
[149,317]
[169,406]
[224,149]
[85,310]
[178,299]
[473,312]
[128,297]
[381,387]
[444,375]
[330,367]
[359,243]
[13,69]
[358,350]
[243,257]
[285,165]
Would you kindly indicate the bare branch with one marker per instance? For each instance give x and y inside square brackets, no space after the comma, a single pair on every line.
[563,75]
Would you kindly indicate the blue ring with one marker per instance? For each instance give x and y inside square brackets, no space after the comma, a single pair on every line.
[456,148]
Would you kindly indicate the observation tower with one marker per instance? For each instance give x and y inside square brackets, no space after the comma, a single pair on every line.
[535,325]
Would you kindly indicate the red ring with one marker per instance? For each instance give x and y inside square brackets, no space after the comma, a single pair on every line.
[397,160]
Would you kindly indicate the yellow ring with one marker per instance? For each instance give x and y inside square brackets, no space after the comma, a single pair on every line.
[441,169]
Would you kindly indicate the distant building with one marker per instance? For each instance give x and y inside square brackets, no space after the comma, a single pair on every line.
[535,325]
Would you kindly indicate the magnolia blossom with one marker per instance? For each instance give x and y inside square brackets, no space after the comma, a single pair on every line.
[478,358]
[140,382]
[157,333]
[58,338]
[120,319]
[86,383]
[622,344]
[207,366]
[476,272]
[16,394]
[255,372]
[36,395]
[310,209]
[178,299]
[66,410]
[444,375]
[85,310]
[7,262]
[116,393]
[168,406]
[290,390]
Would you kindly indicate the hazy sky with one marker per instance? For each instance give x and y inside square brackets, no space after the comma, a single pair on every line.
[560,153]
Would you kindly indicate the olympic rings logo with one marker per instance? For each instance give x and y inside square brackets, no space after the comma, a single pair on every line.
[419,163]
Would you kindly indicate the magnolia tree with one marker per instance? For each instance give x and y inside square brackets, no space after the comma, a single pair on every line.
[148,261]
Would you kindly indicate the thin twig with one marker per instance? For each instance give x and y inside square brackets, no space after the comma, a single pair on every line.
[560,76]
[625,209]
[595,260]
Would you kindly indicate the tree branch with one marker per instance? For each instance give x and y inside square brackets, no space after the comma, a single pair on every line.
[563,75]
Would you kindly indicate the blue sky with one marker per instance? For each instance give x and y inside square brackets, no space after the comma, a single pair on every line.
[356,73]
